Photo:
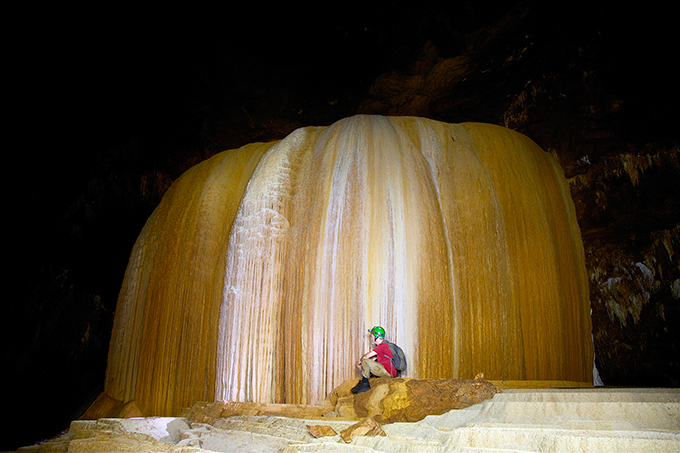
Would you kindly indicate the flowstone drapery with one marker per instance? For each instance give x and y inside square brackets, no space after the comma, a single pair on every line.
[259,273]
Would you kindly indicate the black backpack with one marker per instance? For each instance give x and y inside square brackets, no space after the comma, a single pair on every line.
[399,359]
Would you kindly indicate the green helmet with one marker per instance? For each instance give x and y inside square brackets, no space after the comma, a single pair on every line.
[377,331]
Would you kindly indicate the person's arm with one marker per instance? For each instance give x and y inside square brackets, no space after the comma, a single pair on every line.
[368,355]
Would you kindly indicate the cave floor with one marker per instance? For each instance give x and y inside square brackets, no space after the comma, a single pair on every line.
[568,419]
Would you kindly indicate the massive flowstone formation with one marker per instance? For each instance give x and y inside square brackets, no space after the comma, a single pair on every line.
[259,273]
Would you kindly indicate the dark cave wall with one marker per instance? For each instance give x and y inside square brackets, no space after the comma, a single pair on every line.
[631,235]
[590,84]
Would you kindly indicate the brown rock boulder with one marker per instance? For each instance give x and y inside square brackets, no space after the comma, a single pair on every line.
[321,431]
[366,427]
[105,406]
[409,400]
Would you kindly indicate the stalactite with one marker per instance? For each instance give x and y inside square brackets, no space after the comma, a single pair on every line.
[261,270]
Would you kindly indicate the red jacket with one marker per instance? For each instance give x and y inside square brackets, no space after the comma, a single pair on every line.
[384,355]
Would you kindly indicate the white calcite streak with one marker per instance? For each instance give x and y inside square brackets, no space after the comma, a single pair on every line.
[259,274]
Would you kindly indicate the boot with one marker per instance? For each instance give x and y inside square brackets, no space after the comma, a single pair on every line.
[362,386]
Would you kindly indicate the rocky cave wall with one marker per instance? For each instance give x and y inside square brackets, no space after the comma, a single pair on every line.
[590,84]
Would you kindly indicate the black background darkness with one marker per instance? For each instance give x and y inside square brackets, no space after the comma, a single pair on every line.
[104,98]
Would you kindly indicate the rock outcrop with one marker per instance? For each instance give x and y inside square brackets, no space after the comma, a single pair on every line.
[365,427]
[390,400]
[410,400]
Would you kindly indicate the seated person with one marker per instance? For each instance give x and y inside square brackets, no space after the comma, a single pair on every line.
[376,362]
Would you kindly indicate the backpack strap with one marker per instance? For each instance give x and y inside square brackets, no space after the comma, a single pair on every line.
[392,373]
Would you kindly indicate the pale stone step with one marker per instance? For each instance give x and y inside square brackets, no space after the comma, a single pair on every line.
[643,415]
[555,440]
[489,439]
[646,409]
[264,432]
[328,447]
[219,440]
[272,426]
[335,447]
[527,439]
[558,423]
[594,394]
[277,424]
